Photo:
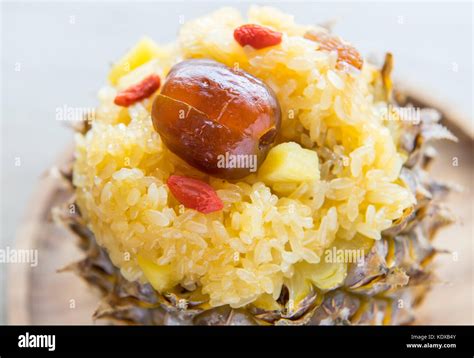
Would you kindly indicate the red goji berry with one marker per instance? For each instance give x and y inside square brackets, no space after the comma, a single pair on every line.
[194,194]
[137,92]
[257,36]
[345,52]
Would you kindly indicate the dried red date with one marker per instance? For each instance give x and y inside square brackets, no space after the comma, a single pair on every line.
[207,112]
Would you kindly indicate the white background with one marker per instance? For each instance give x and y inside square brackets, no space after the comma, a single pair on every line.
[63,52]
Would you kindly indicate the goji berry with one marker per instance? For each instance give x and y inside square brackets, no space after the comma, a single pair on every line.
[137,92]
[194,194]
[257,36]
[345,52]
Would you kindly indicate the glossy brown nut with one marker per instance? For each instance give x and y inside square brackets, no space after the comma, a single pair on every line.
[207,111]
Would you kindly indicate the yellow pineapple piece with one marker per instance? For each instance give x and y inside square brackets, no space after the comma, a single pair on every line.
[136,75]
[161,277]
[145,50]
[289,163]
[299,288]
[266,302]
[325,275]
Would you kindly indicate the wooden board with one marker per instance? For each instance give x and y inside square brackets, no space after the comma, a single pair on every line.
[41,295]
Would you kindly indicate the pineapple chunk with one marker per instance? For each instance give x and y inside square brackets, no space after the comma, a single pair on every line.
[289,163]
[145,50]
[139,73]
[161,277]
[325,275]
[266,302]
[299,288]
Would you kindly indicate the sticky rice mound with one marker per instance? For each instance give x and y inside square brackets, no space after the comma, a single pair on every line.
[268,235]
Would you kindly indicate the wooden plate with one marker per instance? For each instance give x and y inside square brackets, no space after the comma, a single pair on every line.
[41,295]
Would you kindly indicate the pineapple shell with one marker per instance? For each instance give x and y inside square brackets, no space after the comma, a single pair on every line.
[395,275]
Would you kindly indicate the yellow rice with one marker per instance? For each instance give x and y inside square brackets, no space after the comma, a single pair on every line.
[266,236]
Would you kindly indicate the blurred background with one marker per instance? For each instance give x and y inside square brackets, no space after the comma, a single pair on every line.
[57,54]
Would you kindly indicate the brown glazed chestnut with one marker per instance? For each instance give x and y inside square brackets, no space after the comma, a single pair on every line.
[218,119]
